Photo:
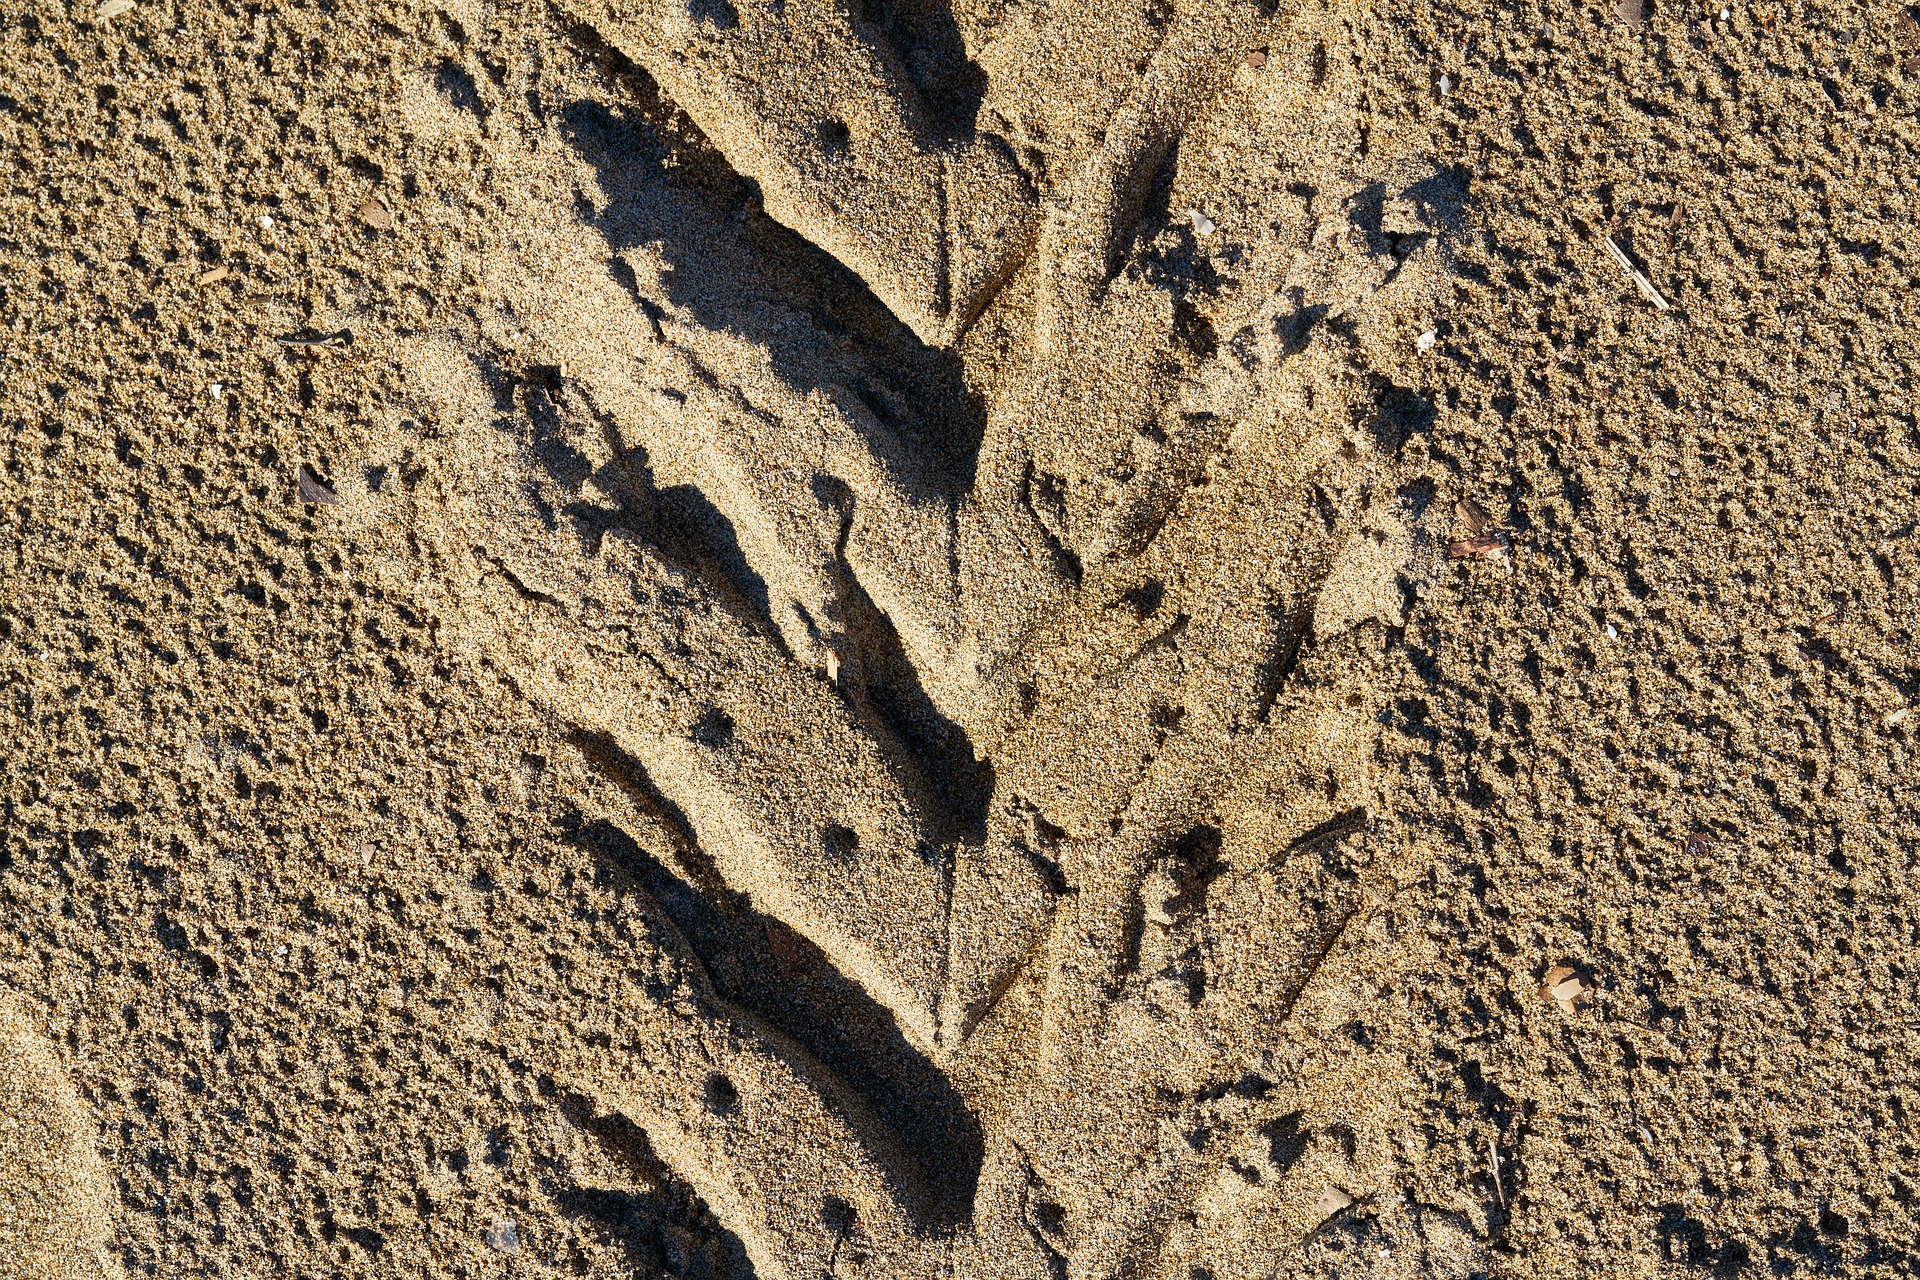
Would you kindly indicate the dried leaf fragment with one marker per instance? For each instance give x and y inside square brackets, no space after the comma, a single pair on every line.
[1631,11]
[313,489]
[1480,546]
[1472,515]
[1699,845]
[111,9]
[1256,59]
[375,214]
[214,275]
[1907,32]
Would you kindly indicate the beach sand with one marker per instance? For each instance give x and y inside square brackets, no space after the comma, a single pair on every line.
[723,638]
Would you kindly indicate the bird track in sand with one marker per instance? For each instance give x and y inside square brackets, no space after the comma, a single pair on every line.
[1021,671]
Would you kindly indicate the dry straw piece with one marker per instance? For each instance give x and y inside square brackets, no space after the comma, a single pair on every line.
[111,9]
[1647,290]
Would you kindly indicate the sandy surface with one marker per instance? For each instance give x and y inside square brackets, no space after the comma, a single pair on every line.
[1026,639]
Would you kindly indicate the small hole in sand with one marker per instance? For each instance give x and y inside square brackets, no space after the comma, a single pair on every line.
[721,1097]
[840,841]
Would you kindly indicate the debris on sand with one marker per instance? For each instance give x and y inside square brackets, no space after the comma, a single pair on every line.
[1907,31]
[1485,544]
[1699,845]
[1202,224]
[1424,343]
[1331,1201]
[1473,516]
[213,275]
[1631,12]
[375,214]
[111,9]
[1256,59]
[314,489]
[1647,290]
[502,1236]
[1564,985]
[317,342]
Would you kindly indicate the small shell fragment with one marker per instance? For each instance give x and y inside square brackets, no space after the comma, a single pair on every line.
[1446,84]
[214,275]
[502,1237]
[375,214]
[1564,985]
[1202,224]
[1331,1201]
[1570,989]
[1424,343]
[111,9]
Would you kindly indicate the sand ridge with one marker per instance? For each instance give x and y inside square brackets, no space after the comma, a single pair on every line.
[1027,669]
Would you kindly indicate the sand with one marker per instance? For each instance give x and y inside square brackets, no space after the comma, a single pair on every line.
[1017,639]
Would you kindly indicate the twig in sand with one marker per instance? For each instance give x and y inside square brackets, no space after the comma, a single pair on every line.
[1626,264]
[1493,1154]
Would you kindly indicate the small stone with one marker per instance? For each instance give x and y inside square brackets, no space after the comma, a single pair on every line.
[214,391]
[1446,84]
[266,222]
[1426,341]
